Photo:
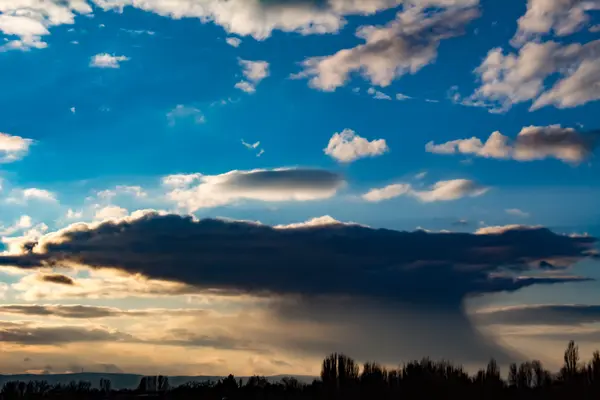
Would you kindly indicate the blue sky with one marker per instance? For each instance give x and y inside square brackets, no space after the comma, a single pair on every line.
[103,100]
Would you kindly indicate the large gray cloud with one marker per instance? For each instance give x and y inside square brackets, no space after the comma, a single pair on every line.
[347,259]
[383,288]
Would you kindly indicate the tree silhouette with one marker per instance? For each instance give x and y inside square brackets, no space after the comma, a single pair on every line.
[341,380]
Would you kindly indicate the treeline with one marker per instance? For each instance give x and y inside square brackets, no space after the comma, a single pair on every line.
[342,378]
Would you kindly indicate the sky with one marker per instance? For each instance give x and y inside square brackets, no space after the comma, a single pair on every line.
[204,187]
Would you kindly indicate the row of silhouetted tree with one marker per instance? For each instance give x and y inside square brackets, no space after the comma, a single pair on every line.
[342,378]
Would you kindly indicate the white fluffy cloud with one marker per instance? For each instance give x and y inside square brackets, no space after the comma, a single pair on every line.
[254,72]
[347,146]
[110,212]
[561,17]
[508,79]
[441,191]
[388,192]
[22,196]
[13,148]
[28,21]
[233,41]
[390,51]
[532,143]
[106,60]
[195,191]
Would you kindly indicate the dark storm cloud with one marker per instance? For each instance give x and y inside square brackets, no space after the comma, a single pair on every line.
[375,293]
[58,279]
[327,260]
[547,314]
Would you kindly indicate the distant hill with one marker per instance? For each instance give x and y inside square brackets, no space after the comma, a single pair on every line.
[128,381]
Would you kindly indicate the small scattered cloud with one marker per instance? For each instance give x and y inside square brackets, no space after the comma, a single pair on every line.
[517,212]
[254,147]
[23,196]
[106,60]
[402,97]
[234,41]
[532,143]
[254,72]
[377,94]
[431,101]
[421,175]
[13,148]
[250,146]
[440,191]
[73,110]
[347,147]
[185,112]
[72,214]
[120,190]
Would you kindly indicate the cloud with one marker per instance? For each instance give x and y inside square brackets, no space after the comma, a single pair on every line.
[23,196]
[543,314]
[29,22]
[72,214]
[532,143]
[30,334]
[562,18]
[405,45]
[185,112]
[388,192]
[89,312]
[260,18]
[58,279]
[381,278]
[13,148]
[22,223]
[233,41]
[109,194]
[347,146]
[498,230]
[378,95]
[254,72]
[324,221]
[106,60]
[516,212]
[109,212]
[234,257]
[440,191]
[251,146]
[195,191]
[402,97]
[508,79]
